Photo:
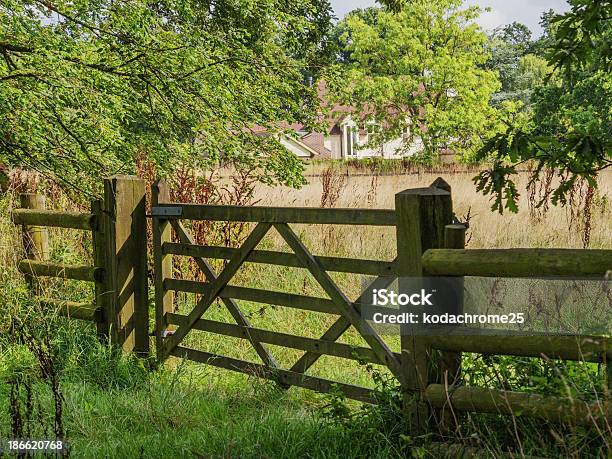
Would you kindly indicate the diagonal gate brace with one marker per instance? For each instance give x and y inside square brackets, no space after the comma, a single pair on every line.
[344,305]
[231,305]
[338,327]
[216,286]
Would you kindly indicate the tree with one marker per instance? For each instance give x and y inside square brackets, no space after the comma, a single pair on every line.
[87,85]
[418,68]
[340,53]
[507,47]
[571,130]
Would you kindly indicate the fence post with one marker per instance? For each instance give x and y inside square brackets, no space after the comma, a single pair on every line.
[125,262]
[449,370]
[422,214]
[35,238]
[164,299]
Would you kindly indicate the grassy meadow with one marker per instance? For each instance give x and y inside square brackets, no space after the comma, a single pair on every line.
[118,406]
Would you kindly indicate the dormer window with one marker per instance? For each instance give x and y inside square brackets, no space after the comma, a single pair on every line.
[349,139]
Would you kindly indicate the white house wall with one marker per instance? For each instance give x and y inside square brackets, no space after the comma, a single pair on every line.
[333,144]
[389,150]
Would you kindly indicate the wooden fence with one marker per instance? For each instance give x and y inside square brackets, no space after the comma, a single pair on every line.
[118,227]
[428,368]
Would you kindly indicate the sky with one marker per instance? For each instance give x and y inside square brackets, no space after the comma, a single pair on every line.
[503,11]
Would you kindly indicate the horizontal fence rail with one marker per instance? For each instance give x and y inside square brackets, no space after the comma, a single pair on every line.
[74,310]
[374,217]
[556,409]
[52,269]
[318,346]
[578,347]
[517,262]
[57,219]
[290,300]
[336,264]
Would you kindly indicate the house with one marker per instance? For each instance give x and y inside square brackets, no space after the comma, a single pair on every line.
[345,138]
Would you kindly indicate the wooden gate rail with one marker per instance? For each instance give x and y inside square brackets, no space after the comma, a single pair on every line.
[290,300]
[283,377]
[317,346]
[315,216]
[336,264]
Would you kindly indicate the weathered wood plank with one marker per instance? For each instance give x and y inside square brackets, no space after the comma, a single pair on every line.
[555,409]
[73,310]
[313,215]
[126,262]
[290,300]
[162,265]
[53,218]
[283,377]
[517,262]
[216,286]
[336,264]
[344,306]
[579,348]
[52,269]
[317,346]
[232,307]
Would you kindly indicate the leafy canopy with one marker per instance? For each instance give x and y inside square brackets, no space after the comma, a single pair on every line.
[418,68]
[570,130]
[516,58]
[88,85]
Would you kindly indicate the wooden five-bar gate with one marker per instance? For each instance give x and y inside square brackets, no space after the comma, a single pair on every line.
[428,243]
[428,368]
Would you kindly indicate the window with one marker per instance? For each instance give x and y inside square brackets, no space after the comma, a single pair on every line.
[371,128]
[350,139]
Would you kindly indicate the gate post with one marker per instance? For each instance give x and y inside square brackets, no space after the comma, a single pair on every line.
[125,262]
[164,299]
[422,214]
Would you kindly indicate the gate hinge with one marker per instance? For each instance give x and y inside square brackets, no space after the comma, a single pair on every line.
[166,211]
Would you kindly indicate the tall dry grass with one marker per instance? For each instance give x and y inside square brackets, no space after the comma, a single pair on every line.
[487,229]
